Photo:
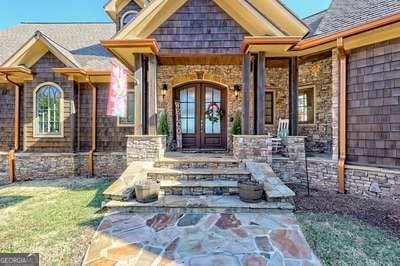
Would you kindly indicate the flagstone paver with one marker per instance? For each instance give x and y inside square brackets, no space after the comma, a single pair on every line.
[199,239]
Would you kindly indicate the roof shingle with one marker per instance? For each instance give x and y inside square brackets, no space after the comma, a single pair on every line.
[82,40]
[344,14]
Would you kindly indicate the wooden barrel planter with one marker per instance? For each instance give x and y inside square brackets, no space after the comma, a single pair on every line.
[147,191]
[250,191]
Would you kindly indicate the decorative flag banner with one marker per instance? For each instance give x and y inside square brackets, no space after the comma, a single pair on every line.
[118,94]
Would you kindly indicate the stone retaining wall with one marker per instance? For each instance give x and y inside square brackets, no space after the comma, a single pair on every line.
[145,148]
[322,173]
[253,147]
[30,166]
[3,168]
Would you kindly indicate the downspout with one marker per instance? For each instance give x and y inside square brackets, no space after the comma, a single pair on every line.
[11,153]
[342,114]
[90,161]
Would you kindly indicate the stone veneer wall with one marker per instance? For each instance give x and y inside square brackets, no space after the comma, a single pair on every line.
[317,72]
[145,148]
[3,168]
[252,147]
[313,71]
[291,166]
[322,174]
[173,75]
[30,166]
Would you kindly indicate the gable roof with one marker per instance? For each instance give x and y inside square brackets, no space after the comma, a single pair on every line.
[113,7]
[35,48]
[79,42]
[255,16]
[343,14]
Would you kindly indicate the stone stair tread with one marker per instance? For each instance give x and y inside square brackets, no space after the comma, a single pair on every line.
[217,203]
[200,171]
[206,158]
[195,183]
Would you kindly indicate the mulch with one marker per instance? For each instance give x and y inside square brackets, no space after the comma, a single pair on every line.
[384,214]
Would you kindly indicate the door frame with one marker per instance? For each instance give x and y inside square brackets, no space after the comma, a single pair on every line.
[224,101]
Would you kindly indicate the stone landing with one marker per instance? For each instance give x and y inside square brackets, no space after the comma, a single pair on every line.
[198,183]
[199,239]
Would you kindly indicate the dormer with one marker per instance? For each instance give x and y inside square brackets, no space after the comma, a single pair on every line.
[124,11]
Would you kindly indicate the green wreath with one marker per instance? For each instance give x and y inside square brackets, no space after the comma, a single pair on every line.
[212,109]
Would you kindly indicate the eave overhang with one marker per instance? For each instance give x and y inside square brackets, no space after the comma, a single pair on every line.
[16,74]
[379,30]
[250,14]
[85,75]
[273,46]
[124,50]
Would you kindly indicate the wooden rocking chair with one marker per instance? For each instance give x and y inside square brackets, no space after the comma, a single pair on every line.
[283,131]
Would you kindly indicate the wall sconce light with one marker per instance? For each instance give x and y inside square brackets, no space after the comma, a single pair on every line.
[164,90]
[236,90]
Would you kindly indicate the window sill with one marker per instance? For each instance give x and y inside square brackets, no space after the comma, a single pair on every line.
[49,136]
[127,126]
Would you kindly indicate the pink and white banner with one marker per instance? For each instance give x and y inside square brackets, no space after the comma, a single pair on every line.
[118,95]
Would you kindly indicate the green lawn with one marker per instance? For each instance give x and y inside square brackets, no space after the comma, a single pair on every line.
[57,219]
[341,240]
[54,218]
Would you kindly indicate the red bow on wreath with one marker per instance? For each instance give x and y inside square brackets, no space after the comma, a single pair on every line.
[214,113]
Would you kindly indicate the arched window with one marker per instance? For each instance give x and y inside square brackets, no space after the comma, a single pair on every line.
[128,17]
[48,110]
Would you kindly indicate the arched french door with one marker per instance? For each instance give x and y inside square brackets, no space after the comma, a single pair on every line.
[202,116]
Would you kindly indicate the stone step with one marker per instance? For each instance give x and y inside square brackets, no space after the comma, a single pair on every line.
[198,174]
[201,164]
[198,204]
[198,188]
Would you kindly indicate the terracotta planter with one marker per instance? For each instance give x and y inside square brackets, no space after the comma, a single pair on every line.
[250,191]
[147,191]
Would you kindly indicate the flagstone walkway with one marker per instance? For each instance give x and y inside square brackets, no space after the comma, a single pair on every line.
[199,239]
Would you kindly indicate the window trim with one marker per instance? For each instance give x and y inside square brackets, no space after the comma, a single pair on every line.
[305,87]
[273,107]
[36,134]
[119,124]
[121,21]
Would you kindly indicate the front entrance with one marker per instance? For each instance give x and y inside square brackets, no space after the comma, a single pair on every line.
[202,116]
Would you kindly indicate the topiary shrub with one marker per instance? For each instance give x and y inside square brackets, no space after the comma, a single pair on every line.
[237,125]
[163,128]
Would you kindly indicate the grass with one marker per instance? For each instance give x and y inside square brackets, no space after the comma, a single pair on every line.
[341,240]
[54,218]
[57,219]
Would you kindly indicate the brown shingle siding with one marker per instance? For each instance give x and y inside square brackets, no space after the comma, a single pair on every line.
[200,26]
[44,73]
[373,102]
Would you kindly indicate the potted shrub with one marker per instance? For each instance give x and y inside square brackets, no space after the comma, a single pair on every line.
[147,191]
[250,191]
[163,127]
[237,125]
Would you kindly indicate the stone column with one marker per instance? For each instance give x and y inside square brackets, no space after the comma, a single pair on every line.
[152,95]
[139,87]
[335,105]
[293,91]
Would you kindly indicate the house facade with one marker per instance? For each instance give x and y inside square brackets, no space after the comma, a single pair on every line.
[334,76]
